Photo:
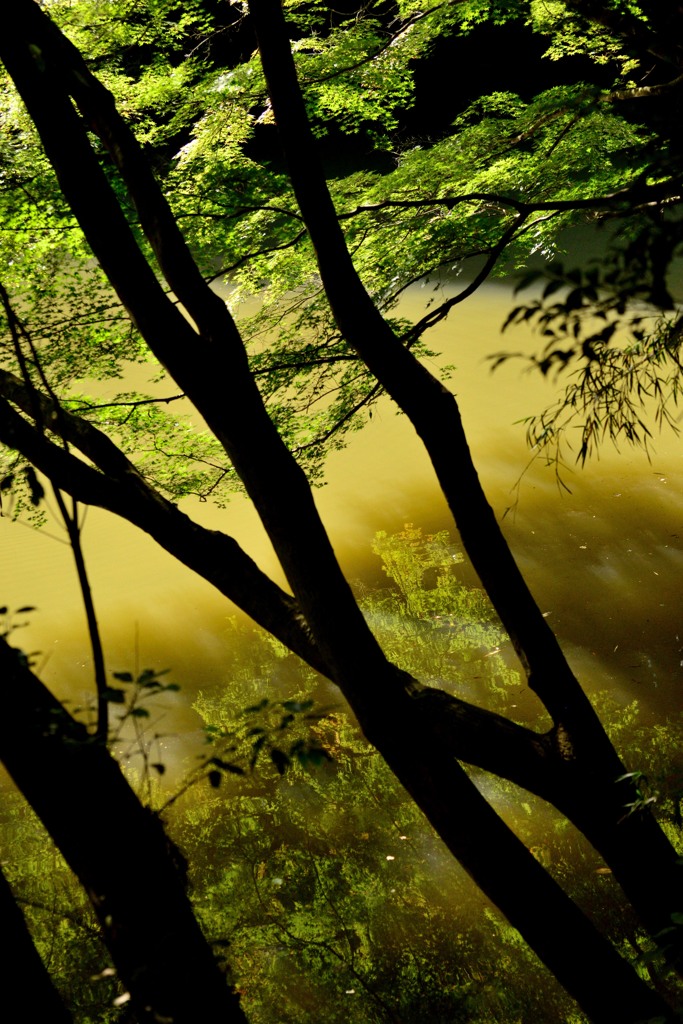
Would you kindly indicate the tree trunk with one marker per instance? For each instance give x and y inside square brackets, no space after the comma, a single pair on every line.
[26,981]
[606,988]
[118,850]
[582,764]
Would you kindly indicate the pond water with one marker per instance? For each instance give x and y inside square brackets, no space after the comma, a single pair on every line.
[604,563]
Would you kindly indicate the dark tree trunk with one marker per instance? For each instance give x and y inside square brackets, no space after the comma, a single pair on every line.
[606,988]
[581,764]
[25,981]
[118,850]
[630,841]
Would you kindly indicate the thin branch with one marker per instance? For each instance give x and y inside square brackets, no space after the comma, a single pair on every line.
[241,210]
[68,915]
[70,519]
[408,24]
[389,299]
[644,91]
[636,192]
[252,255]
[304,364]
[337,426]
[79,405]
[442,311]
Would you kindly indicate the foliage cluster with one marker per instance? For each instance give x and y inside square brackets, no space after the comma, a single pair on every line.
[434,625]
[605,327]
[199,104]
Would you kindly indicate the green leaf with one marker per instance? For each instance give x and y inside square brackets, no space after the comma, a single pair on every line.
[552,287]
[36,489]
[512,316]
[527,280]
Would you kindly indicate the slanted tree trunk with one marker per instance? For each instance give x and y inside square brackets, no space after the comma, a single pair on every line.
[558,932]
[582,767]
[25,981]
[120,853]
[630,840]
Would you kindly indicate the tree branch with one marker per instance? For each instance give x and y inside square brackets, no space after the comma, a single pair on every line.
[442,311]
[636,193]
[391,39]
[256,252]
[134,402]
[479,737]
[120,489]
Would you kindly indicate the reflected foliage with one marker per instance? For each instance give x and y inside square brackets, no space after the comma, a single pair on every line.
[327,890]
[434,625]
[316,877]
[59,914]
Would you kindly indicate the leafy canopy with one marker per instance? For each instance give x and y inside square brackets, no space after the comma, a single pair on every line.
[481,192]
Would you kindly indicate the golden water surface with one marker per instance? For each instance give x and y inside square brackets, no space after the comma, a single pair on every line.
[603,561]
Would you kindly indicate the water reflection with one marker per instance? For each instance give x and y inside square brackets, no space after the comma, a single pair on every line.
[603,561]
